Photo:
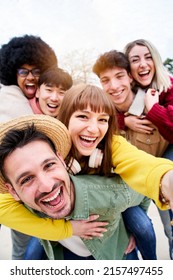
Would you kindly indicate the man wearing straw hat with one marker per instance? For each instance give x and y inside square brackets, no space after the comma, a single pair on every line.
[32,150]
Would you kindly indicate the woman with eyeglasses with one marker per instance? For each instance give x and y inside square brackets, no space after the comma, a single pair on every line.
[27,79]
[22,60]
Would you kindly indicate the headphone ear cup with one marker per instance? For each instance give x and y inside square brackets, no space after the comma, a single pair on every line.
[95,158]
[74,166]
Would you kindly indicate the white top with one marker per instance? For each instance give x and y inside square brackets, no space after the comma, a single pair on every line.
[13,103]
[75,245]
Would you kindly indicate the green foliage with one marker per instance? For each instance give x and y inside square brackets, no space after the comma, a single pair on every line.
[168,63]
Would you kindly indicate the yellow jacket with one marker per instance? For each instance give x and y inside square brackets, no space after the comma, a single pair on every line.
[139,170]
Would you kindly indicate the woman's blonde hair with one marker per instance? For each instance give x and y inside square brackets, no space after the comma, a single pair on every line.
[161,80]
[79,97]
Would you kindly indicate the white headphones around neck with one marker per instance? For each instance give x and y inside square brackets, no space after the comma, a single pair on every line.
[95,158]
[74,166]
[95,161]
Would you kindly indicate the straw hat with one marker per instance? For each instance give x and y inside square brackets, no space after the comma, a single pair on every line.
[53,128]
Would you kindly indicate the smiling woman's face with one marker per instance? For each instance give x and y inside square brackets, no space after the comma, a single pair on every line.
[29,83]
[142,65]
[87,129]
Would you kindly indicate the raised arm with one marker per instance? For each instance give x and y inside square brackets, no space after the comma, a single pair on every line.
[141,171]
[161,113]
[16,216]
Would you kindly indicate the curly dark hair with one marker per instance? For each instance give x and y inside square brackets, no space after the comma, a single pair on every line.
[27,49]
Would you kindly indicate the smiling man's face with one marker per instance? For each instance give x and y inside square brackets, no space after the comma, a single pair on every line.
[117,83]
[38,177]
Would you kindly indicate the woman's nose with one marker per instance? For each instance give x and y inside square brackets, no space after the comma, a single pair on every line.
[93,126]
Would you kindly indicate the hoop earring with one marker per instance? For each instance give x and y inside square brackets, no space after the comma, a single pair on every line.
[95,158]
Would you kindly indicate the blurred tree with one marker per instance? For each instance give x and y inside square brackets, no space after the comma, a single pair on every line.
[168,63]
[79,64]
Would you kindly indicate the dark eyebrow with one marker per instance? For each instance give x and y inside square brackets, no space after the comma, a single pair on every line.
[121,71]
[28,172]
[148,53]
[21,176]
[134,56]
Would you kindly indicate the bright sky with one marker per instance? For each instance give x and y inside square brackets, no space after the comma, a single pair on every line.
[99,25]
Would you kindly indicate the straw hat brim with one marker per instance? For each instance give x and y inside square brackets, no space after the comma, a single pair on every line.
[53,128]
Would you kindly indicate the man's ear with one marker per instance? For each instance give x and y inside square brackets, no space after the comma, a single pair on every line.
[37,94]
[61,159]
[12,191]
[131,78]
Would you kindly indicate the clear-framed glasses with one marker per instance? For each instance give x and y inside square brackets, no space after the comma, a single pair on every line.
[23,72]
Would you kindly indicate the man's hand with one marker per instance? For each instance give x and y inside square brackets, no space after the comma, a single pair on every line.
[89,228]
[167,188]
[139,124]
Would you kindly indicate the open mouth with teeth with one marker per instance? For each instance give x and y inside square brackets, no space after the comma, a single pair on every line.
[31,89]
[117,93]
[88,141]
[52,106]
[54,200]
[144,73]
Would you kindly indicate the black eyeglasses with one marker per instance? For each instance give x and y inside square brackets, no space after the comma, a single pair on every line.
[25,72]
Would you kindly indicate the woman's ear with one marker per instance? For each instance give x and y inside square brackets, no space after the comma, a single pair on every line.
[12,191]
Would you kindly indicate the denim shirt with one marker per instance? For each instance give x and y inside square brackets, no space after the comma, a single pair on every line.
[108,197]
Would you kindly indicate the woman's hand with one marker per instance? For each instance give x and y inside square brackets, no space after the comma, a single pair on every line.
[131,246]
[151,98]
[139,124]
[89,228]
